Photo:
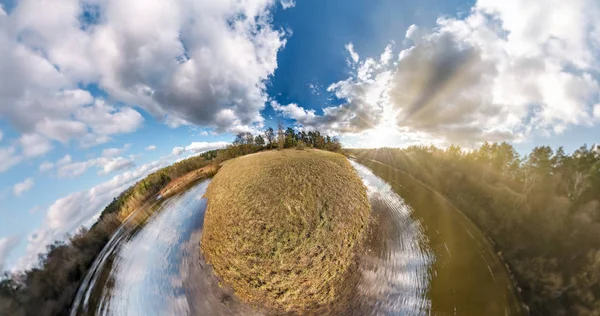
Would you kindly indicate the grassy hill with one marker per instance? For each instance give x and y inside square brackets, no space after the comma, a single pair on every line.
[283,228]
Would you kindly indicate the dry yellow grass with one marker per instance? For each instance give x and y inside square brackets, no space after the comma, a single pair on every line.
[283,228]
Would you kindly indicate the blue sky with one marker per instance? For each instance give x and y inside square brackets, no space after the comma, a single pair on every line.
[96,94]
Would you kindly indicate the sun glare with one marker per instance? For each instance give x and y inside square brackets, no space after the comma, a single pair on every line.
[381,136]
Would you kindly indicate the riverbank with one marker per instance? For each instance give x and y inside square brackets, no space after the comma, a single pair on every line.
[51,287]
[547,235]
[468,277]
[180,184]
[283,228]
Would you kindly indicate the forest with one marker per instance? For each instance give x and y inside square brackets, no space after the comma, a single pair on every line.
[542,212]
[50,287]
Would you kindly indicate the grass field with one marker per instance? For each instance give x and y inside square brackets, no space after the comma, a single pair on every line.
[283,228]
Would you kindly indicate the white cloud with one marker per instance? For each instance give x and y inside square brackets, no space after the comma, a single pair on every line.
[104,119]
[508,71]
[198,147]
[34,145]
[23,187]
[105,165]
[7,244]
[8,158]
[75,169]
[151,147]
[67,214]
[65,160]
[364,108]
[61,130]
[597,111]
[314,88]
[353,54]
[116,164]
[178,151]
[287,4]
[65,119]
[386,56]
[1,135]
[556,30]
[411,31]
[113,152]
[292,110]
[48,115]
[195,81]
[29,83]
[207,65]
[46,166]
[91,140]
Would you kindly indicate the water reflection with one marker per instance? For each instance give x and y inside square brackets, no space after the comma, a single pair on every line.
[156,268]
[146,272]
[467,276]
[395,268]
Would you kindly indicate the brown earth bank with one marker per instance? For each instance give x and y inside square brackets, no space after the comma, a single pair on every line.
[177,185]
[283,229]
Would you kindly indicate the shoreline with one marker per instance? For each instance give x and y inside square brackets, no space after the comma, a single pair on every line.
[485,238]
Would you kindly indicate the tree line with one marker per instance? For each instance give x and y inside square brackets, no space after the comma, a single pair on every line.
[279,138]
[288,138]
[50,287]
[542,211]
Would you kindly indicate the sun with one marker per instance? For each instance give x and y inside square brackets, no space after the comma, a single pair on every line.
[382,135]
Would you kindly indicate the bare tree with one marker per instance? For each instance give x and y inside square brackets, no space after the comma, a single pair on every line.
[280,135]
[270,136]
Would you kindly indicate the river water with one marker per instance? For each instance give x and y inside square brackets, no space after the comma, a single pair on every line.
[423,258]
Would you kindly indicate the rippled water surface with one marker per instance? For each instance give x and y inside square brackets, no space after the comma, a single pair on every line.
[395,268]
[466,276]
[417,262]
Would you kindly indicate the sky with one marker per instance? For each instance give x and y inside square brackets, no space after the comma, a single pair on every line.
[96,94]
